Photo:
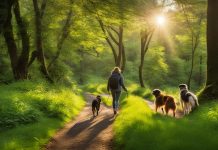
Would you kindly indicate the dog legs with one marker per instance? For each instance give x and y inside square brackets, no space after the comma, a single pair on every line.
[93,112]
[166,110]
[97,111]
[155,108]
[187,108]
[162,110]
[174,113]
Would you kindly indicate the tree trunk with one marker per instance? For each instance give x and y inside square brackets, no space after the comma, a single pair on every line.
[200,70]
[18,64]
[145,42]
[107,39]
[22,64]
[3,13]
[40,52]
[10,41]
[211,89]
[123,59]
[195,43]
[191,71]
[120,47]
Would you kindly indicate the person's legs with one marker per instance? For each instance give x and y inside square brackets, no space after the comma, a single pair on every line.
[117,97]
[114,97]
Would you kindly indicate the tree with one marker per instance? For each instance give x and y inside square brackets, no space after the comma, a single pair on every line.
[3,13]
[18,63]
[194,28]
[64,34]
[119,52]
[211,89]
[38,31]
[146,36]
[112,30]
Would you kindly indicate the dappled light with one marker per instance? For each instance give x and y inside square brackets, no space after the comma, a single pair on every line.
[108,74]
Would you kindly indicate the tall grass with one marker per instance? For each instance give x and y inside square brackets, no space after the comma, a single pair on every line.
[137,127]
[31,112]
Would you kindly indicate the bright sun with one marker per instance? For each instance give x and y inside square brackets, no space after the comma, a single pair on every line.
[160,20]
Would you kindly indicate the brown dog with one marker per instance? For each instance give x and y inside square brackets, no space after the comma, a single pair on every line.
[164,101]
[96,105]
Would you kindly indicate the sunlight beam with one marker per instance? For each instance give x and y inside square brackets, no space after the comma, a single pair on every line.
[160,20]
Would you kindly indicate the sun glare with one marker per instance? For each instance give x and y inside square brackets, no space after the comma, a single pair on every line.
[160,20]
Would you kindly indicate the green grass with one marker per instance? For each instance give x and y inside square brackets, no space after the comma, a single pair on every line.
[99,89]
[135,89]
[137,127]
[30,113]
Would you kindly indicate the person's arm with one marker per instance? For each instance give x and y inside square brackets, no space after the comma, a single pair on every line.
[122,83]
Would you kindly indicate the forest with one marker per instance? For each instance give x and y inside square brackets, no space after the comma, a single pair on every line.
[56,55]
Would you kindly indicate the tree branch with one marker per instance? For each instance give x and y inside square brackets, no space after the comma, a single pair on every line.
[112,37]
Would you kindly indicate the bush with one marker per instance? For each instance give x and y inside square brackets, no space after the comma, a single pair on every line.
[30,113]
[139,91]
[26,102]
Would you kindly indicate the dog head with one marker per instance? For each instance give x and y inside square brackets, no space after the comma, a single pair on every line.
[156,92]
[98,97]
[183,87]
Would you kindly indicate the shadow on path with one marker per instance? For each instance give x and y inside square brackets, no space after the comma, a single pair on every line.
[86,132]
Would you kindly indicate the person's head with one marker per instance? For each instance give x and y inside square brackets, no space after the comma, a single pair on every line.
[116,70]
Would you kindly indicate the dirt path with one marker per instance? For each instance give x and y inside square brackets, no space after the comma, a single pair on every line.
[179,113]
[86,132]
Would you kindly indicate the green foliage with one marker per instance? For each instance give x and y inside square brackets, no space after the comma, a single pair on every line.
[138,127]
[25,102]
[34,106]
[99,89]
[61,73]
[85,55]
[30,136]
[139,91]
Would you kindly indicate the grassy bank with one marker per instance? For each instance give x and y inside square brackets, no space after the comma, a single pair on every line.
[99,89]
[30,113]
[137,127]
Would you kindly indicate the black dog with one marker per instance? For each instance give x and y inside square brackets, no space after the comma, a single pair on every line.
[96,105]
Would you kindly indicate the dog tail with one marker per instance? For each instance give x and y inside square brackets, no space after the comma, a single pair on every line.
[194,98]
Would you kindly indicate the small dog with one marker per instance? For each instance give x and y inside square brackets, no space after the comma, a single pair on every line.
[164,101]
[188,99]
[96,105]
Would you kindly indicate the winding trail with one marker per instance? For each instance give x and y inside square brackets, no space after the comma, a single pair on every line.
[86,132]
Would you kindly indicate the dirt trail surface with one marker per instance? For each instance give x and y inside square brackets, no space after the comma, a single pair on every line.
[179,113]
[86,132]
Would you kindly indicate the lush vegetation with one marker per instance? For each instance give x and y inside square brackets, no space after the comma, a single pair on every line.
[76,47]
[32,112]
[137,127]
[52,51]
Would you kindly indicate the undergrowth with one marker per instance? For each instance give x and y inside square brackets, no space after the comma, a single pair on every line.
[30,112]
